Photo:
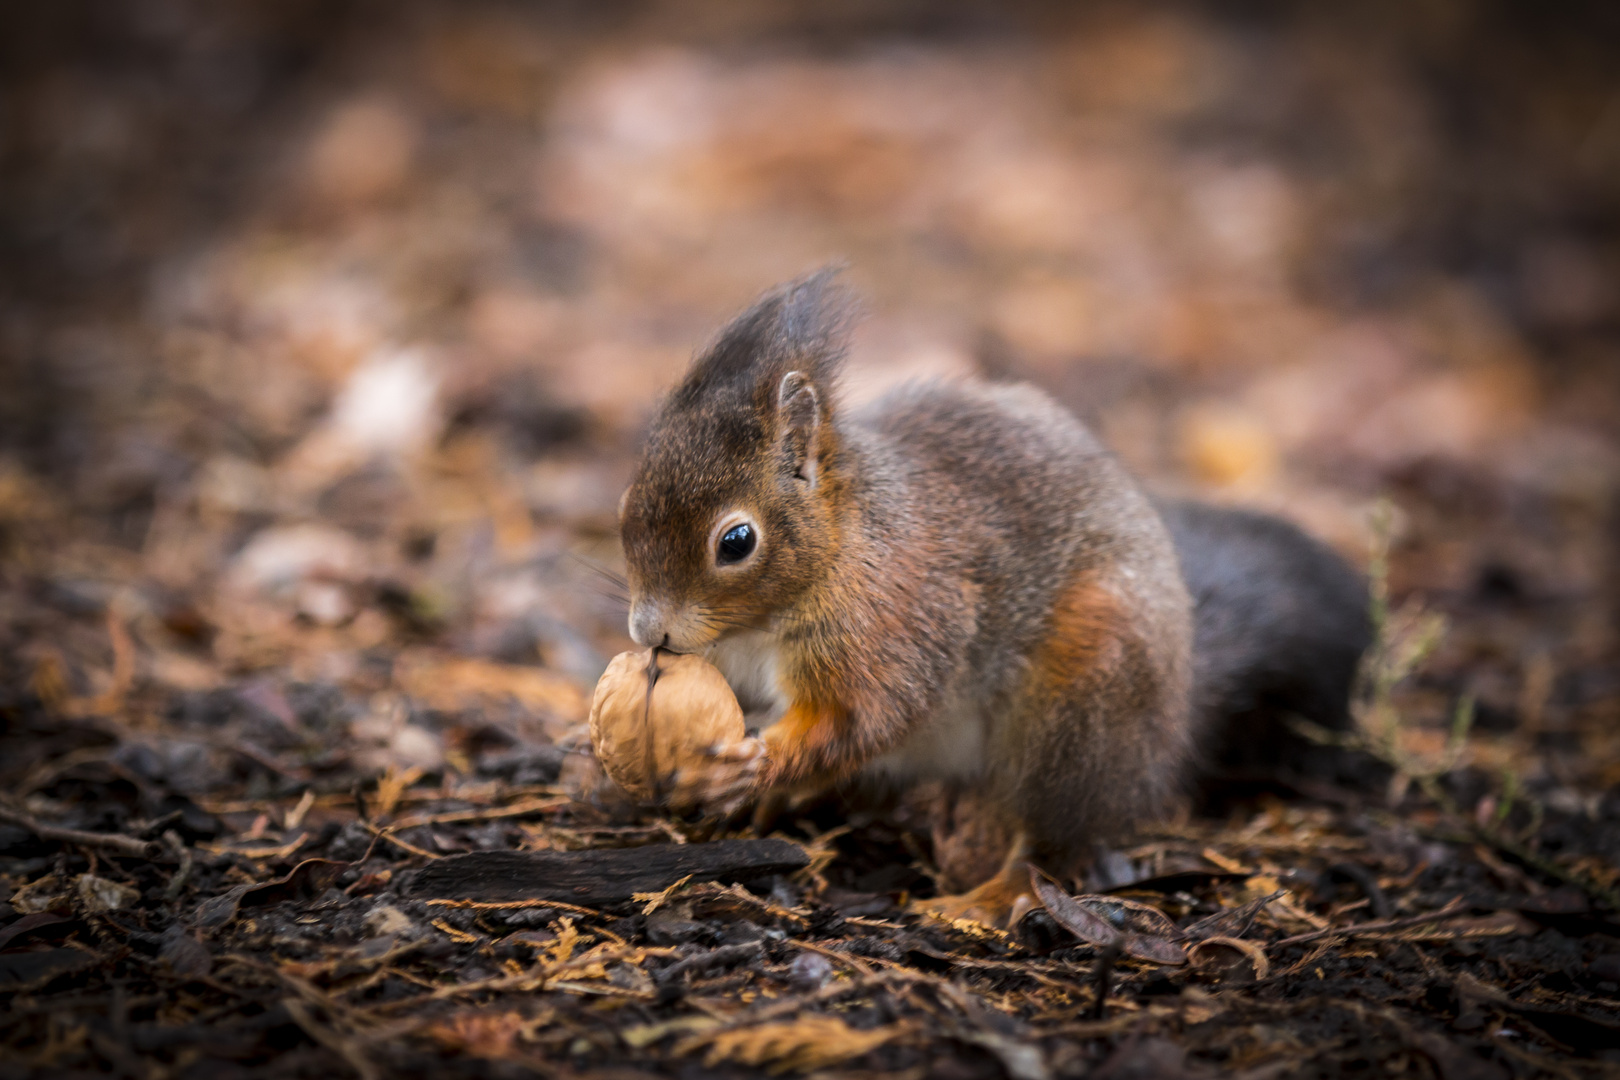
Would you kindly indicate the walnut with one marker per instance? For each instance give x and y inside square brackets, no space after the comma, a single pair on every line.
[643,739]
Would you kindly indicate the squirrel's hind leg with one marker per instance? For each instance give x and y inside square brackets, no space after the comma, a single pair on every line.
[1100,738]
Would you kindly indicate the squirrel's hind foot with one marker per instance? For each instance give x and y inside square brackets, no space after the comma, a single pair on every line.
[999,902]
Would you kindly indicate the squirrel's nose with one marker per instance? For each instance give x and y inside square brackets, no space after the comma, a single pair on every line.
[647,624]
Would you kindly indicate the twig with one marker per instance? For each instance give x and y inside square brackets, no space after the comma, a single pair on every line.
[1455,907]
[115,842]
[1028,969]
[1367,882]
[855,963]
[862,984]
[510,905]
[452,817]
[182,854]
[384,834]
[1102,980]
[260,756]
[713,958]
[344,1048]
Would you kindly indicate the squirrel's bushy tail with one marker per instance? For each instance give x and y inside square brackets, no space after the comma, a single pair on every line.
[1280,623]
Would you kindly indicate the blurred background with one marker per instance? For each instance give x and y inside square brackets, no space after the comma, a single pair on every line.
[327,331]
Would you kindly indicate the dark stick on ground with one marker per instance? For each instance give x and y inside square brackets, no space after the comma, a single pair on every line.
[602,877]
[1101,981]
[1367,881]
[114,842]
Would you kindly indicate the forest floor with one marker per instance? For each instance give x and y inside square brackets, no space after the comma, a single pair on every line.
[326,344]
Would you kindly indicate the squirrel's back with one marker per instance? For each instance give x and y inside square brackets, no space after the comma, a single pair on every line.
[1022,496]
[1075,584]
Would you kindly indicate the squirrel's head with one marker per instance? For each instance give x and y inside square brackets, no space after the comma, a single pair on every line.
[732,514]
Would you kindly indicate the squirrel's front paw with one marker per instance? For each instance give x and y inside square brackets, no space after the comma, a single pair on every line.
[725,780]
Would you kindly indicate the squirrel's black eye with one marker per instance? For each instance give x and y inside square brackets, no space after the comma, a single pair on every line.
[736,544]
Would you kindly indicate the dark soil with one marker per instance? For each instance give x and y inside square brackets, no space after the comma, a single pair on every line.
[326,338]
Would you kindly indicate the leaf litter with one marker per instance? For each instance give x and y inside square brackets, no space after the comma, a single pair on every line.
[317,394]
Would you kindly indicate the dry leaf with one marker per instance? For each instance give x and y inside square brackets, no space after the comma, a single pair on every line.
[1231,958]
[1105,920]
[1131,915]
[1233,922]
[49,893]
[100,894]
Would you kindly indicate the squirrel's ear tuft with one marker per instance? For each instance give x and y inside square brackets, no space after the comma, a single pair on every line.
[813,323]
[800,326]
[798,410]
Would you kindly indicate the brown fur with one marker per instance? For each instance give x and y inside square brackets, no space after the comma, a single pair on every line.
[1084,636]
[809,743]
[971,836]
[957,584]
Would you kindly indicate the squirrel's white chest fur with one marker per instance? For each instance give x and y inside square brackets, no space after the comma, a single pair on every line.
[751,665]
[950,745]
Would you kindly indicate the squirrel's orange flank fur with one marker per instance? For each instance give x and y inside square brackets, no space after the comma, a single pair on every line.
[957,583]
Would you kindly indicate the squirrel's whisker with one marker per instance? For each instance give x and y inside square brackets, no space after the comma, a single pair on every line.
[611,576]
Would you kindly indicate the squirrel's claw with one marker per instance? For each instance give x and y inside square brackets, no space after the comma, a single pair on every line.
[724,782]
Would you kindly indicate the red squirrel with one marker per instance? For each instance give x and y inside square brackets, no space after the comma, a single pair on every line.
[956,583]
